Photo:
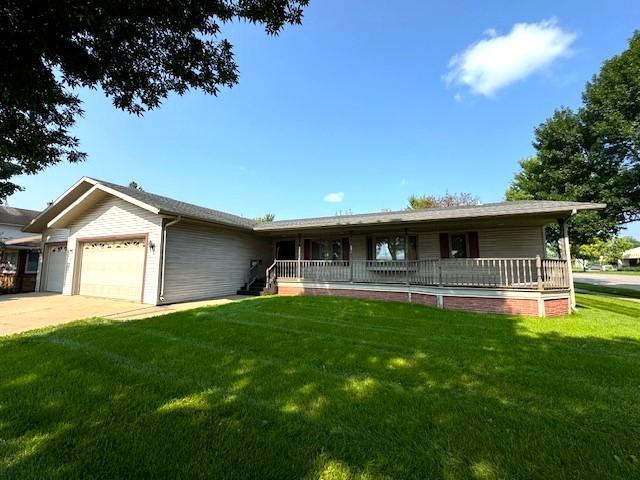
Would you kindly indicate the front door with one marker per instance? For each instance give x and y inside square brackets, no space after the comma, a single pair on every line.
[286,250]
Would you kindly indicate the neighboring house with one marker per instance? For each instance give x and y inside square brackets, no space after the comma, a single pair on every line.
[631,257]
[106,240]
[19,254]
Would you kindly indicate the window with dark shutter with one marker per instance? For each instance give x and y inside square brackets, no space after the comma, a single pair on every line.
[444,245]
[413,247]
[474,245]
[345,248]
[370,254]
[307,249]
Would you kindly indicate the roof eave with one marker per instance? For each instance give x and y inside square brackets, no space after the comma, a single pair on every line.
[557,212]
[169,213]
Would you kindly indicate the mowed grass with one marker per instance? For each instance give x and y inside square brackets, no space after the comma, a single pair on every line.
[326,388]
[620,291]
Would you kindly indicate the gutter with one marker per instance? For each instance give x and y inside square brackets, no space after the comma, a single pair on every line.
[164,252]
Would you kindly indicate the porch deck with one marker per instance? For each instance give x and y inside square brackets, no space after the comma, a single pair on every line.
[533,273]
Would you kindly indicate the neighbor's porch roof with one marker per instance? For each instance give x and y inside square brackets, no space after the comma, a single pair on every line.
[23,243]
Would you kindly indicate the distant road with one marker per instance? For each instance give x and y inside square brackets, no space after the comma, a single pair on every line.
[609,280]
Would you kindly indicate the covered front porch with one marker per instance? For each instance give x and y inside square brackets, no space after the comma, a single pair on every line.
[497,265]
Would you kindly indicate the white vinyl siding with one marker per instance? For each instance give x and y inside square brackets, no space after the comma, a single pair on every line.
[55,235]
[429,245]
[511,242]
[113,217]
[359,247]
[207,261]
[499,243]
[493,243]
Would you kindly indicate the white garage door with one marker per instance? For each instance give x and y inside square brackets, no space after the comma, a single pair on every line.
[56,260]
[113,269]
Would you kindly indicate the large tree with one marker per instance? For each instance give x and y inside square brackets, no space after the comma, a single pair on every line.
[447,200]
[593,153]
[136,51]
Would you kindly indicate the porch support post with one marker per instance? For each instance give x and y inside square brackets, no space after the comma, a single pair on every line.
[565,252]
[350,256]
[406,255]
[298,267]
[539,273]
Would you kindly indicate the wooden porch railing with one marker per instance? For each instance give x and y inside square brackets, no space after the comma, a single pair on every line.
[7,281]
[520,273]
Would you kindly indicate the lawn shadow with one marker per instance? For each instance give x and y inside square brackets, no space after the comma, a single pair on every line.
[318,388]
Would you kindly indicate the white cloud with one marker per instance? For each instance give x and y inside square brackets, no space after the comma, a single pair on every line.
[334,197]
[403,182]
[497,61]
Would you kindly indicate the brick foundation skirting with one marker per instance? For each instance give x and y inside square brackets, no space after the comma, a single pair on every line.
[508,306]
[556,307]
[505,305]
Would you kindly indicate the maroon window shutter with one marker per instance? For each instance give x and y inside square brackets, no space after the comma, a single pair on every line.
[369,248]
[307,249]
[444,245]
[345,248]
[413,247]
[474,245]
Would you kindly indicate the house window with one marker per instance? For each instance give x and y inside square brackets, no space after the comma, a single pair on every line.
[326,249]
[392,247]
[458,245]
[32,262]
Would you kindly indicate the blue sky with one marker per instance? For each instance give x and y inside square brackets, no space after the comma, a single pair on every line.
[363,102]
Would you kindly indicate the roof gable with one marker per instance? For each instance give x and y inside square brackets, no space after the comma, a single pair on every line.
[89,191]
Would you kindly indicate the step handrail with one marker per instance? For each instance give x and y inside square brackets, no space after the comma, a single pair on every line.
[271,276]
[253,273]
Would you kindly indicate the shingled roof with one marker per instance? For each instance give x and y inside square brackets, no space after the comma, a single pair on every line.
[525,207]
[16,216]
[171,206]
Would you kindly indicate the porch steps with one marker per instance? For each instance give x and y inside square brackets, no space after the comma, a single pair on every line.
[258,288]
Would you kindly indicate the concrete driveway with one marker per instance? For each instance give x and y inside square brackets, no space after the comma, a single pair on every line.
[609,280]
[28,311]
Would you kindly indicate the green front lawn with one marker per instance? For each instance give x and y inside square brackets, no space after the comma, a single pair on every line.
[329,389]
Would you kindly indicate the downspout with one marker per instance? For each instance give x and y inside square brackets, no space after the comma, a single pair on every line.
[164,252]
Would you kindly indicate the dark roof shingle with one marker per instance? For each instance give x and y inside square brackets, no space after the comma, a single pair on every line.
[16,216]
[176,207]
[432,214]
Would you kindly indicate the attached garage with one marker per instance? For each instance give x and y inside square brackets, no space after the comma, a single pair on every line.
[112,268]
[55,260]
[128,244]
